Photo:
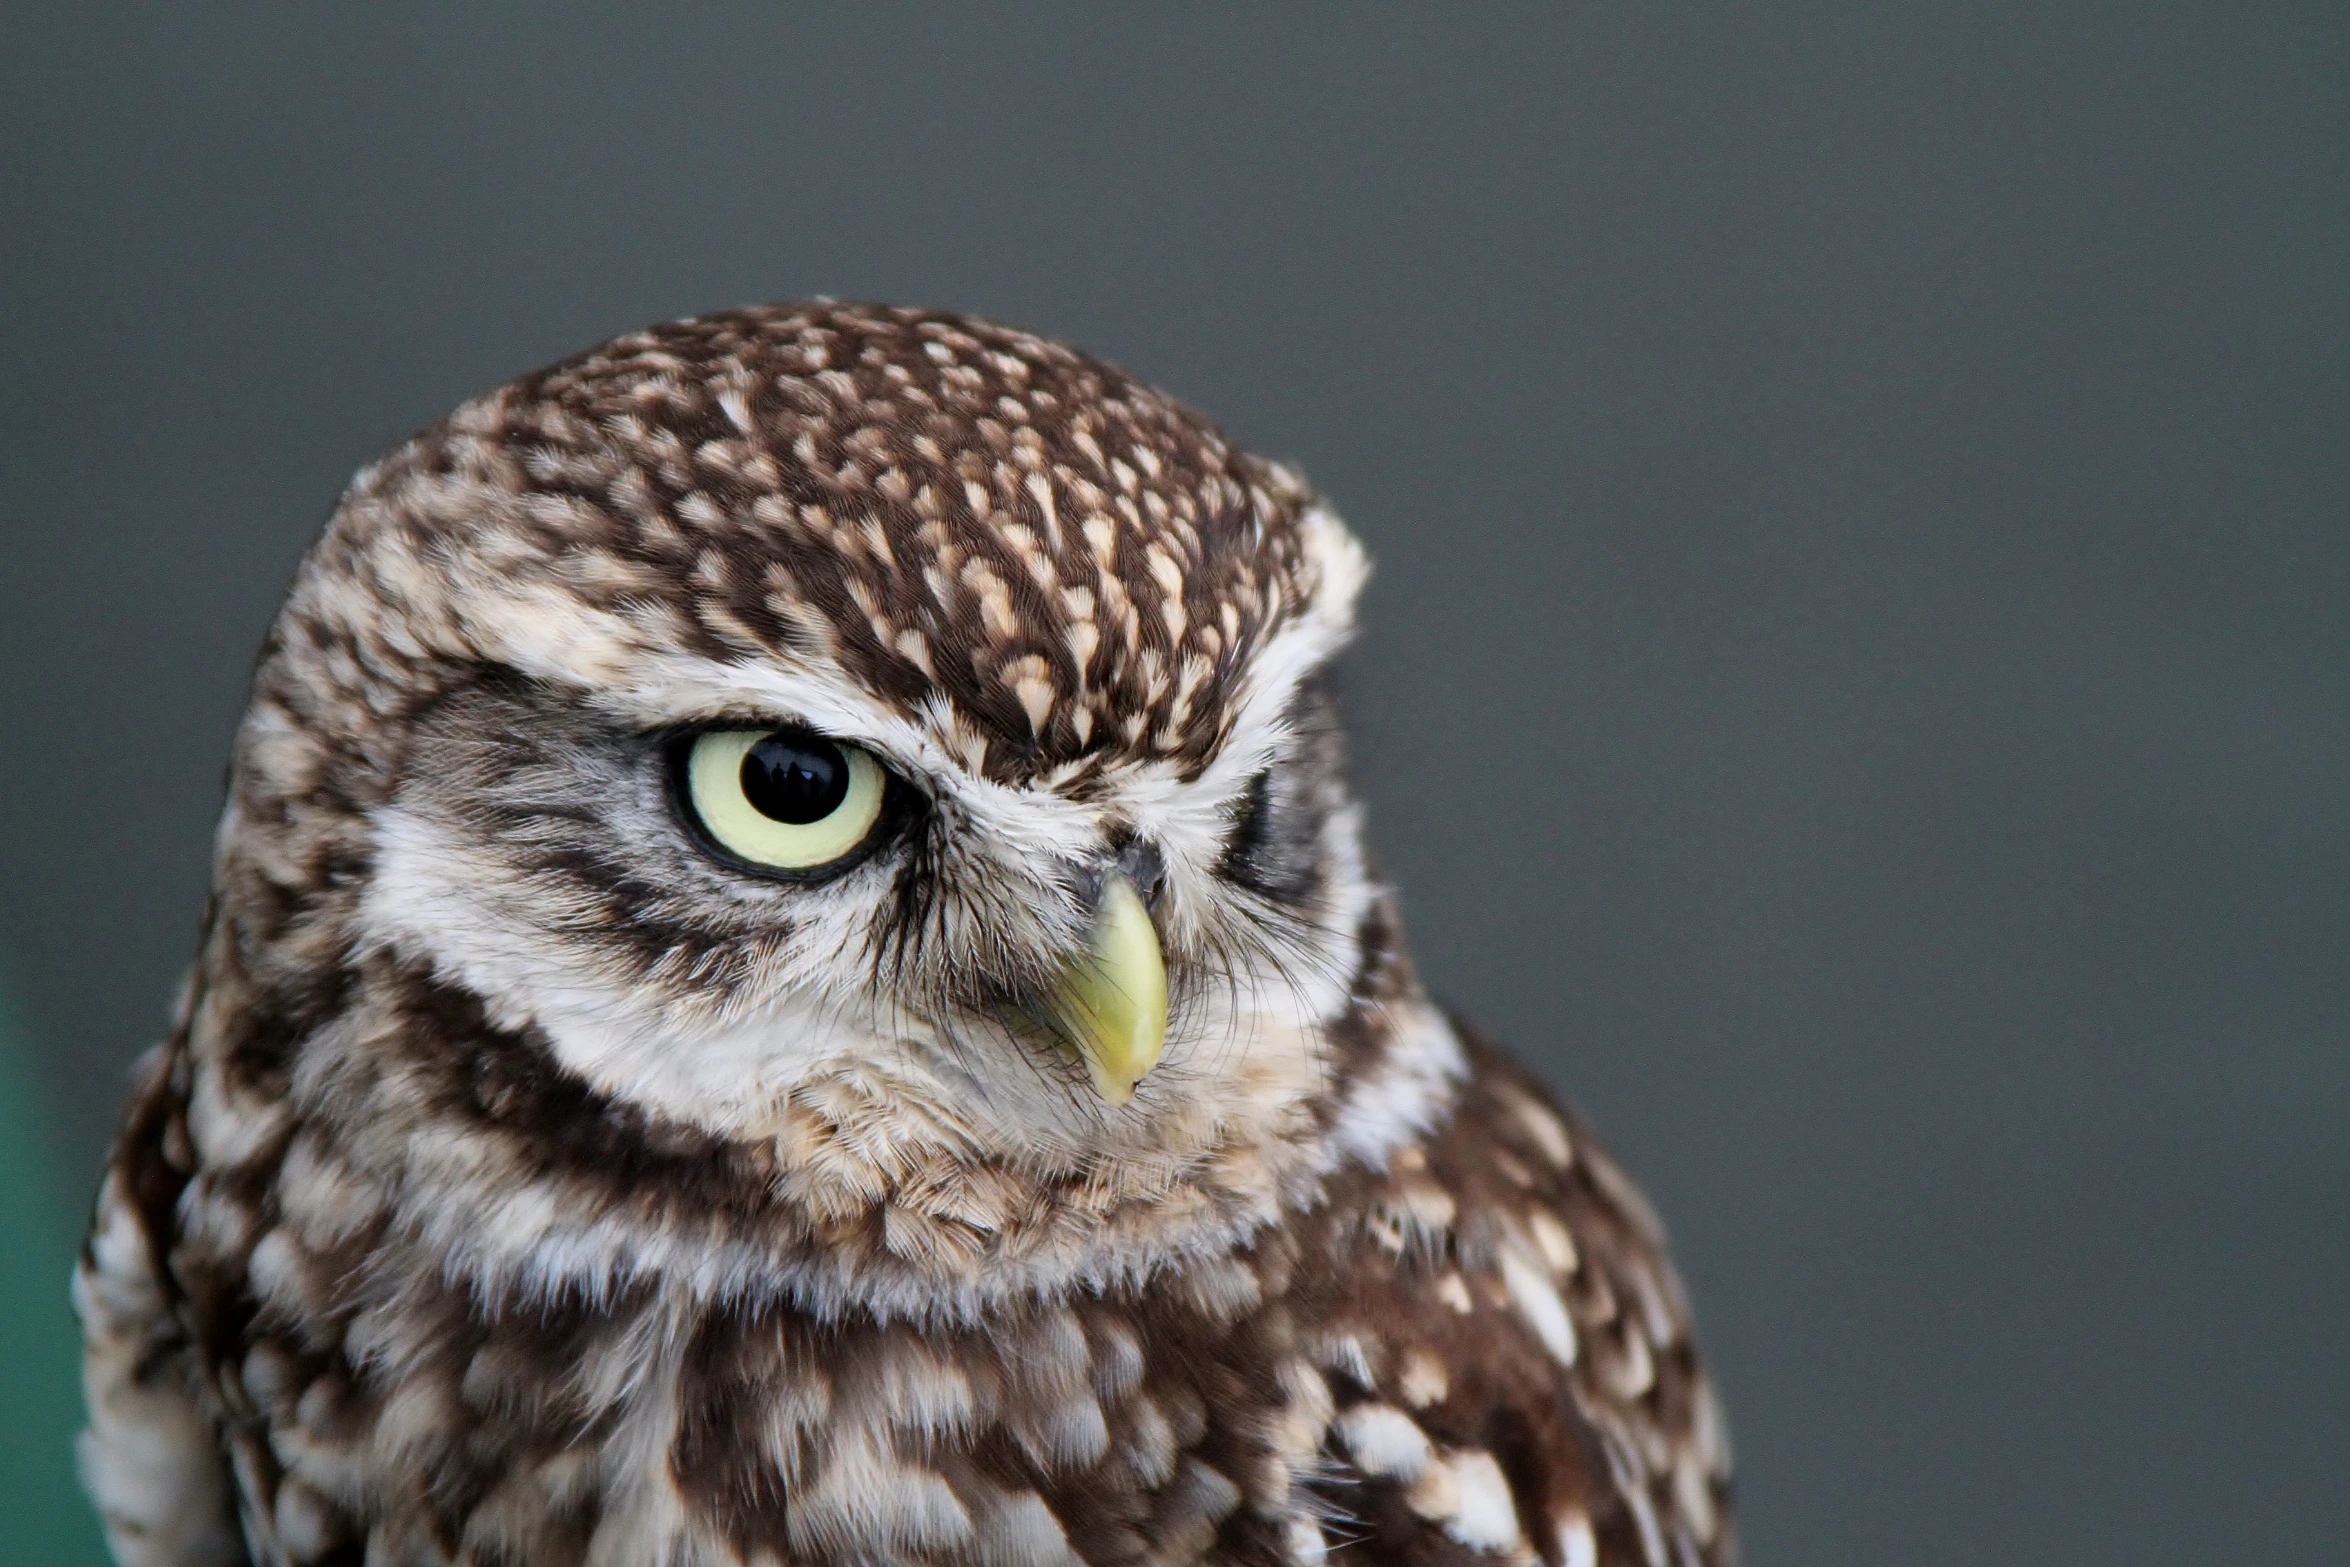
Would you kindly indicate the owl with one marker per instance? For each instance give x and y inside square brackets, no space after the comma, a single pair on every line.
[792,978]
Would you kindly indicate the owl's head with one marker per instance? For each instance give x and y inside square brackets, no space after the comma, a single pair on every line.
[864,714]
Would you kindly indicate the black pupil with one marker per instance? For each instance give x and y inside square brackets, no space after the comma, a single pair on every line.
[795,778]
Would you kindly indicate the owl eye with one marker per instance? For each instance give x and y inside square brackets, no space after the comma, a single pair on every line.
[782,798]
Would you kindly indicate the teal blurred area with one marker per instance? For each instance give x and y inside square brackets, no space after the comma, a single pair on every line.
[48,1521]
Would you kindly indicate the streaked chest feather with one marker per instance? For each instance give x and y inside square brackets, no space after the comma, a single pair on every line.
[1470,1350]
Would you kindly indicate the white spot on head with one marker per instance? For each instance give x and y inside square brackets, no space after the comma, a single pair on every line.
[1036,700]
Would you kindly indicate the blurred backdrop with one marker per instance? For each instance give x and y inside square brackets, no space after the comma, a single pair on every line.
[1855,687]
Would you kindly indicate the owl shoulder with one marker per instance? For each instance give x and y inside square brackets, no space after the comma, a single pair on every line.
[1509,1350]
[151,1455]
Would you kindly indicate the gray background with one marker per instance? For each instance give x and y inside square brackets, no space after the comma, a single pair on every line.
[1855,685]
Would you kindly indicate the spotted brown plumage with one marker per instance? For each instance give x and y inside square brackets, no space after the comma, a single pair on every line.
[526,1180]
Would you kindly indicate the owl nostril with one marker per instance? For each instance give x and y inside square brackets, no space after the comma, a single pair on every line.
[1141,863]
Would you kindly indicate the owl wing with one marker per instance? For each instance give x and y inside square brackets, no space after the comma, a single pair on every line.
[151,1457]
[1510,1357]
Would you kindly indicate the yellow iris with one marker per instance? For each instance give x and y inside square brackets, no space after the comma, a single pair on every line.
[715,783]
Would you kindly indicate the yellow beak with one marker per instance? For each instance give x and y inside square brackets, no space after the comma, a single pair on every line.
[1111,1002]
